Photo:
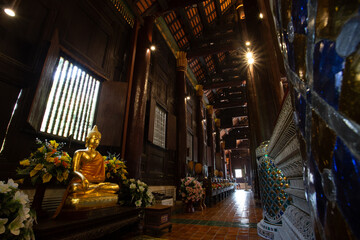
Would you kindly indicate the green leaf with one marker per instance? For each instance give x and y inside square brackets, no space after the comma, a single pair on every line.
[34,179]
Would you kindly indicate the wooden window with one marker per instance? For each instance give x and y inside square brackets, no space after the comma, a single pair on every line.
[71,104]
[159,127]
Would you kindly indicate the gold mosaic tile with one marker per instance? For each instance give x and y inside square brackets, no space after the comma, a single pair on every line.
[350,90]
[322,142]
[331,16]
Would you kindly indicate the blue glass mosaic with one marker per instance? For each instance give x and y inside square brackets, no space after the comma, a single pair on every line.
[347,179]
[328,72]
[299,16]
[300,106]
[290,51]
[317,190]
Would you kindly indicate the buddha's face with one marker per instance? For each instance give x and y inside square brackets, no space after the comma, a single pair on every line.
[93,141]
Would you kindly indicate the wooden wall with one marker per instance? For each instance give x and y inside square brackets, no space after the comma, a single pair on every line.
[158,165]
[90,32]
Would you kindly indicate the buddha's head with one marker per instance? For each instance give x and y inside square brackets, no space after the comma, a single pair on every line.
[93,138]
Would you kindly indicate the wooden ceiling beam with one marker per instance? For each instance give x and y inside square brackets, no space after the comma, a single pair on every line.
[203,18]
[215,38]
[218,10]
[214,49]
[224,84]
[236,112]
[231,104]
[186,24]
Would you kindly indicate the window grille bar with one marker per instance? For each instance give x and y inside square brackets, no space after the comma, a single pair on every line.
[45,122]
[65,119]
[56,98]
[74,100]
[86,93]
[63,109]
[88,107]
[93,104]
[57,107]
[78,106]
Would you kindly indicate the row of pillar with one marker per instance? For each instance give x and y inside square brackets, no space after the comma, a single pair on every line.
[134,126]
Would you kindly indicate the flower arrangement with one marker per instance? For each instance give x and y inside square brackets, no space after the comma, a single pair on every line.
[47,163]
[136,192]
[16,219]
[191,189]
[115,168]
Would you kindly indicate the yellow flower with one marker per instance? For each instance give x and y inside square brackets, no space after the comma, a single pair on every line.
[111,161]
[41,149]
[60,177]
[54,143]
[104,157]
[64,158]
[39,166]
[123,177]
[114,158]
[50,159]
[124,171]
[65,175]
[46,177]
[33,172]
[25,162]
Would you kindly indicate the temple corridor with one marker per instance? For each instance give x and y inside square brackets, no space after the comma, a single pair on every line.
[232,218]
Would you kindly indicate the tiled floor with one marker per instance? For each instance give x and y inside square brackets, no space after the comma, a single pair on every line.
[233,218]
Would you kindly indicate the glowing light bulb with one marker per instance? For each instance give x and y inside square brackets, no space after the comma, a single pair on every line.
[152,48]
[247,43]
[261,16]
[9,12]
[249,55]
[251,61]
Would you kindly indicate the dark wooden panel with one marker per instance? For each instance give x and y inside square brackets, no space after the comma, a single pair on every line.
[171,132]
[156,160]
[110,115]
[8,96]
[195,150]
[151,120]
[45,83]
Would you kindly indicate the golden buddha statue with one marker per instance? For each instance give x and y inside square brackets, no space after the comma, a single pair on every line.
[89,168]
[87,190]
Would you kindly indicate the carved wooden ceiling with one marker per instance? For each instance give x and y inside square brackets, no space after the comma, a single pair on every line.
[213,33]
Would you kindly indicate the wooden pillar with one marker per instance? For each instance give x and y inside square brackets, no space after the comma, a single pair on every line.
[223,158]
[135,130]
[199,124]
[181,63]
[210,135]
[129,78]
[217,145]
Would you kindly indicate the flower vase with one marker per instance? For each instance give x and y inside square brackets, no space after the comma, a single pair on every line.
[38,199]
[189,207]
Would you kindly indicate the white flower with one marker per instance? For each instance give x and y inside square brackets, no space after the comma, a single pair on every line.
[15,226]
[3,221]
[4,188]
[138,203]
[141,188]
[132,186]
[139,182]
[21,197]
[11,183]
[132,180]
[24,213]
